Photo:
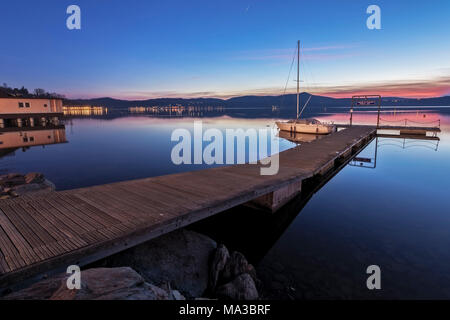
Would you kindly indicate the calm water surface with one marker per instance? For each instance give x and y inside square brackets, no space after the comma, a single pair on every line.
[395,215]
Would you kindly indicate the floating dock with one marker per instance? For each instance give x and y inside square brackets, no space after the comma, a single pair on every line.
[411,130]
[44,234]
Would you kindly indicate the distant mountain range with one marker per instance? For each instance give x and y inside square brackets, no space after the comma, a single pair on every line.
[288,100]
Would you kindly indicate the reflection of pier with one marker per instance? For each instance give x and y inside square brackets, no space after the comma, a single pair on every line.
[405,141]
[44,234]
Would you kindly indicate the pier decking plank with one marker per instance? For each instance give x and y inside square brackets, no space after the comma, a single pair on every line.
[47,232]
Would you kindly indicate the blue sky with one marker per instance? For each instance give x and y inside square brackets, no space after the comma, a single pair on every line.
[142,49]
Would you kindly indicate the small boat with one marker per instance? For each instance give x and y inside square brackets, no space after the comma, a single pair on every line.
[310,126]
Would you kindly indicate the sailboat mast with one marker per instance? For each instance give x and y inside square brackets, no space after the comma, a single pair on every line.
[298,76]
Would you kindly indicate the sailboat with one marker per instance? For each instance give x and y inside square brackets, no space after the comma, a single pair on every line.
[298,125]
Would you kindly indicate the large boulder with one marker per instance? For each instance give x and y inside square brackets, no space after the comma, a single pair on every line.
[96,284]
[240,288]
[180,258]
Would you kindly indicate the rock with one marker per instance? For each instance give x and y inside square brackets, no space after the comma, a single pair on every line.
[12,179]
[241,288]
[34,188]
[237,264]
[34,177]
[176,295]
[218,263]
[180,258]
[96,284]
[26,188]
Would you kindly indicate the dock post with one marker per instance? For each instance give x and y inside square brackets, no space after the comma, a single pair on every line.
[274,200]
[351,115]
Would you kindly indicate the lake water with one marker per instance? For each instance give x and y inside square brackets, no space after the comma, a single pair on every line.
[395,215]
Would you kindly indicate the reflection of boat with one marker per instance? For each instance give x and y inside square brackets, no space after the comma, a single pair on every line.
[298,137]
[25,138]
[304,125]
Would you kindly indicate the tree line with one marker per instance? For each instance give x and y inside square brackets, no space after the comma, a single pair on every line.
[38,92]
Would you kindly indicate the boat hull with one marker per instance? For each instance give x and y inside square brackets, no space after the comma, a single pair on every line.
[305,128]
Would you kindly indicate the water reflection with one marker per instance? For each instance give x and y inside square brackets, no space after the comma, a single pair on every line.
[25,138]
[299,137]
[178,110]
[395,216]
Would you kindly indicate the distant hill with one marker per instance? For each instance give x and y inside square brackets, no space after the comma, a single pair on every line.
[256,101]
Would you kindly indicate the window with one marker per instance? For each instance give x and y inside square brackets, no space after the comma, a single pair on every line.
[25,139]
[27,105]
[20,104]
[45,105]
[31,139]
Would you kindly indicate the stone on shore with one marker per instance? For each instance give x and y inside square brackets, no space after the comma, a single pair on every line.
[15,185]
[12,179]
[180,258]
[236,265]
[96,284]
[34,177]
[241,288]
[218,263]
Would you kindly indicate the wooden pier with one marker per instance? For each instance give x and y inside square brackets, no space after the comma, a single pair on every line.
[413,130]
[45,233]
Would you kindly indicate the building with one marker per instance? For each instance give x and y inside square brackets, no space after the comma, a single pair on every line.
[29,110]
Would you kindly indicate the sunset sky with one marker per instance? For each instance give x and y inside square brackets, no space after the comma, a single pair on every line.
[145,49]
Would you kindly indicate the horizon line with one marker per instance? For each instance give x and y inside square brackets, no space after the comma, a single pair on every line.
[226,98]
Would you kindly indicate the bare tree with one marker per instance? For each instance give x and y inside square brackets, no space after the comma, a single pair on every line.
[39,92]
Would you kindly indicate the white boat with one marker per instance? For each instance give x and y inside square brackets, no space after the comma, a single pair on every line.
[311,126]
